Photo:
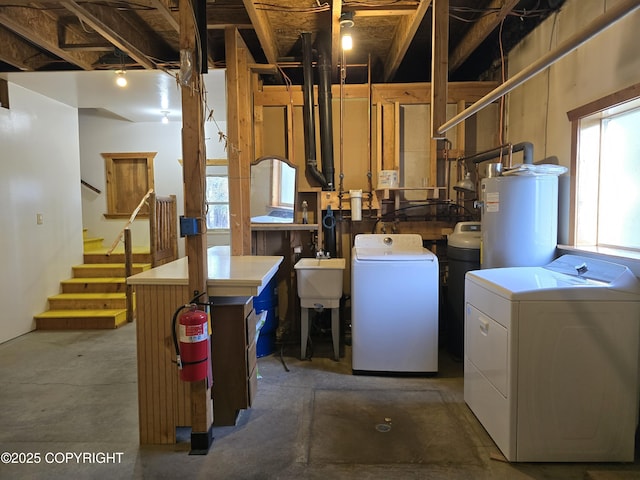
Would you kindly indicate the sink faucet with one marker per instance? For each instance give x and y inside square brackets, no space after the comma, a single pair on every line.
[321,254]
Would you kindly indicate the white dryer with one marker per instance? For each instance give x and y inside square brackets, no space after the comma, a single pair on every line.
[394,305]
[551,359]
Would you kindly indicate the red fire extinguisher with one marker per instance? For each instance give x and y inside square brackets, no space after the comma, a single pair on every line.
[192,351]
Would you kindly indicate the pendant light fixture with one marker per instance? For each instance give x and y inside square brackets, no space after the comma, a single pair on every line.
[346,23]
[121,80]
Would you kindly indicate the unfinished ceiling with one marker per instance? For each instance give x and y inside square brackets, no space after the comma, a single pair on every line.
[392,38]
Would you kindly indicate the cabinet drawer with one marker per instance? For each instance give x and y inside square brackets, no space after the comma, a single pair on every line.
[252,320]
[252,384]
[251,357]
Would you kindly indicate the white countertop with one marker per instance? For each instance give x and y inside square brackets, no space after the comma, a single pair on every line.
[228,275]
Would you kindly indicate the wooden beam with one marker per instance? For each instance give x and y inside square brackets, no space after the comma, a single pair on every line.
[439,65]
[120,31]
[222,16]
[479,31]
[240,140]
[405,31]
[264,68]
[20,54]
[41,28]
[384,11]
[166,13]
[336,35]
[263,29]
[194,158]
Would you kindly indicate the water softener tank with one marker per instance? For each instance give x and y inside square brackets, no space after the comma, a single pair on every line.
[463,255]
[519,220]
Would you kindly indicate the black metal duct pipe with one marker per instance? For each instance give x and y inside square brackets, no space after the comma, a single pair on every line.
[525,147]
[308,119]
[325,113]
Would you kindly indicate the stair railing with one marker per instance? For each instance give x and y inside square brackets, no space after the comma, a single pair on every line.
[128,255]
[128,271]
[163,241]
[131,219]
[163,229]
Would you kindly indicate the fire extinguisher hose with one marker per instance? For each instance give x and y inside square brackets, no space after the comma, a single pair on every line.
[173,331]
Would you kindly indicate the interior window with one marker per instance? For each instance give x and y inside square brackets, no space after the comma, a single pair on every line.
[217,198]
[607,181]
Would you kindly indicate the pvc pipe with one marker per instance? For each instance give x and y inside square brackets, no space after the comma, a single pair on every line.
[602,22]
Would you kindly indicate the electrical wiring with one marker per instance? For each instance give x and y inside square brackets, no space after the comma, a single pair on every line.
[290,9]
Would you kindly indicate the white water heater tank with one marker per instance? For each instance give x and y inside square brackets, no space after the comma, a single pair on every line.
[519,220]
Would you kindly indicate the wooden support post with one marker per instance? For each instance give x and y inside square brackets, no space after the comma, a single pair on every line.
[439,65]
[240,139]
[128,271]
[194,164]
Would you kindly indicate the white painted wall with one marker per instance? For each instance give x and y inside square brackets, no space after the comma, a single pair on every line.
[39,173]
[537,110]
[100,133]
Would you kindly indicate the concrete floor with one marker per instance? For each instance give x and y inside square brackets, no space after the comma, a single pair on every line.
[75,393]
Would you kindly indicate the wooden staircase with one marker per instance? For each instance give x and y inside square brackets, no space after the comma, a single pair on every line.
[95,298]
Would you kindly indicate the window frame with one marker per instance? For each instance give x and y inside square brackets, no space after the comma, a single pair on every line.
[219,163]
[129,164]
[607,102]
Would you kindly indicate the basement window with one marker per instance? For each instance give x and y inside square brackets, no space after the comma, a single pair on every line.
[605,187]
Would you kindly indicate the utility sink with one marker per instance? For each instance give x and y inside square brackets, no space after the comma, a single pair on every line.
[320,281]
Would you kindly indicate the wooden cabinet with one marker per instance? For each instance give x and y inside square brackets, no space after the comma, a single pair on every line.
[233,354]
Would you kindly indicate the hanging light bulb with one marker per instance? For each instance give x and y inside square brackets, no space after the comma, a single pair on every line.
[346,23]
[121,80]
[347,41]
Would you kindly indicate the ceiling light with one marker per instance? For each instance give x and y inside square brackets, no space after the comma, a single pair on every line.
[121,81]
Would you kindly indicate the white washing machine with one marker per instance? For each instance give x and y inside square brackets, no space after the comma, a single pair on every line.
[551,359]
[394,305]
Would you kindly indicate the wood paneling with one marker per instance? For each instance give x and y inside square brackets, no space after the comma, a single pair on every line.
[129,177]
[163,400]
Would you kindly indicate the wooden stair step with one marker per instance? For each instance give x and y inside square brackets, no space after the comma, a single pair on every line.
[94,285]
[80,319]
[87,301]
[106,269]
[92,244]
[98,256]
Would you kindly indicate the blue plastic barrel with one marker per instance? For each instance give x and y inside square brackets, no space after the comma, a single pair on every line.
[267,300]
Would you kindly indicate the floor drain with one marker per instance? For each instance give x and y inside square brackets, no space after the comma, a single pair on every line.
[383,427]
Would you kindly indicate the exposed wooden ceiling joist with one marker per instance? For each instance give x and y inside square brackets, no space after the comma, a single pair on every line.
[391,37]
[221,16]
[479,31]
[40,28]
[19,54]
[405,31]
[264,31]
[118,30]
[336,13]
[164,10]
